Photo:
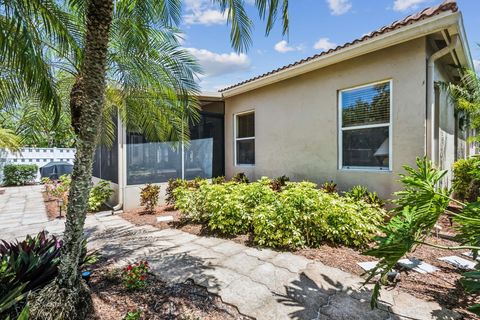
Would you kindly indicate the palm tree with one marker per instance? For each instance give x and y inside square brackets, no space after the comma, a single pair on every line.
[144,31]
[466,96]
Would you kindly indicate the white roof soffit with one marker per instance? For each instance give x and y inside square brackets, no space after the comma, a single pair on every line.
[406,33]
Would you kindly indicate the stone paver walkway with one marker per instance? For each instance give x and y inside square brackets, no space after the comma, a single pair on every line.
[22,210]
[263,284]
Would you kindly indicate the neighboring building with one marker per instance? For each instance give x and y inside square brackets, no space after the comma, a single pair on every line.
[354,114]
[35,155]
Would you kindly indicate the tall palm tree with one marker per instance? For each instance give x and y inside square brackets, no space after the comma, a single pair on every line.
[28,27]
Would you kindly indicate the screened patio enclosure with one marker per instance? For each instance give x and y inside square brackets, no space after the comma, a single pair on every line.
[157,162]
[133,160]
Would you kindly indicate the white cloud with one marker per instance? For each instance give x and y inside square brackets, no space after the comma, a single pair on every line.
[203,12]
[283,47]
[476,65]
[339,7]
[215,64]
[324,44]
[404,5]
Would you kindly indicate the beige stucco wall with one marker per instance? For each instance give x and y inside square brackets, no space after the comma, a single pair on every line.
[296,120]
[131,198]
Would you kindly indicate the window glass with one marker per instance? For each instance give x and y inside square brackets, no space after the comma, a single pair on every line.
[366,105]
[246,151]
[245,139]
[366,148]
[365,131]
[246,125]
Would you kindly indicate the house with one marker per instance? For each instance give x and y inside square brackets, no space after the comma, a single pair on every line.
[354,114]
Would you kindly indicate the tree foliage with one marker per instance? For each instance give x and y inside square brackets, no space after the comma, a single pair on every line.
[419,206]
[466,96]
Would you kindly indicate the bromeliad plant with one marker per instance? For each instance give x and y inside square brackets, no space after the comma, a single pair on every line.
[419,206]
[29,265]
[135,275]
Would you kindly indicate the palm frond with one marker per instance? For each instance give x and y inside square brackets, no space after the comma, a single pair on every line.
[9,140]
[25,27]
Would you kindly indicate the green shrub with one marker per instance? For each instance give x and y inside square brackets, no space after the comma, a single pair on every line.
[149,197]
[99,194]
[282,222]
[60,190]
[135,314]
[296,216]
[189,200]
[218,180]
[463,175]
[19,174]
[240,178]
[171,186]
[358,193]
[345,221]
[232,211]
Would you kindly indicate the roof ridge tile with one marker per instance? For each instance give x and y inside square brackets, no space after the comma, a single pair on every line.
[446,5]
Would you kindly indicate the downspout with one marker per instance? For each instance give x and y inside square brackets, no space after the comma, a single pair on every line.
[121,169]
[431,94]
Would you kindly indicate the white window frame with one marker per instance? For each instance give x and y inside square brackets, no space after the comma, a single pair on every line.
[382,125]
[235,139]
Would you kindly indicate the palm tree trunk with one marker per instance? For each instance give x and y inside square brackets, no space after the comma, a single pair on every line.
[87,99]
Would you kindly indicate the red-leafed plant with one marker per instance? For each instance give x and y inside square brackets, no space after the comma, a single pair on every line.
[135,275]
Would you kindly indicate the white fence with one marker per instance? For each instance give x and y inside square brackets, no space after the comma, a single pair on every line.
[37,156]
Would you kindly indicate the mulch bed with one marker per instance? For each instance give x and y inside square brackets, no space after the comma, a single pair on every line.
[158,300]
[140,217]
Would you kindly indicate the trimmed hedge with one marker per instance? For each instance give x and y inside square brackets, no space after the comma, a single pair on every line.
[295,216]
[19,174]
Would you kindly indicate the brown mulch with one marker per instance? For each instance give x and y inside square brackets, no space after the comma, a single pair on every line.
[140,217]
[112,301]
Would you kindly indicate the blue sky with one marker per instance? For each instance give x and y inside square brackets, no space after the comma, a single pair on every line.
[315,25]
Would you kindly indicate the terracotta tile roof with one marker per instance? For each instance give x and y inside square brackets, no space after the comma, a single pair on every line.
[447,5]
